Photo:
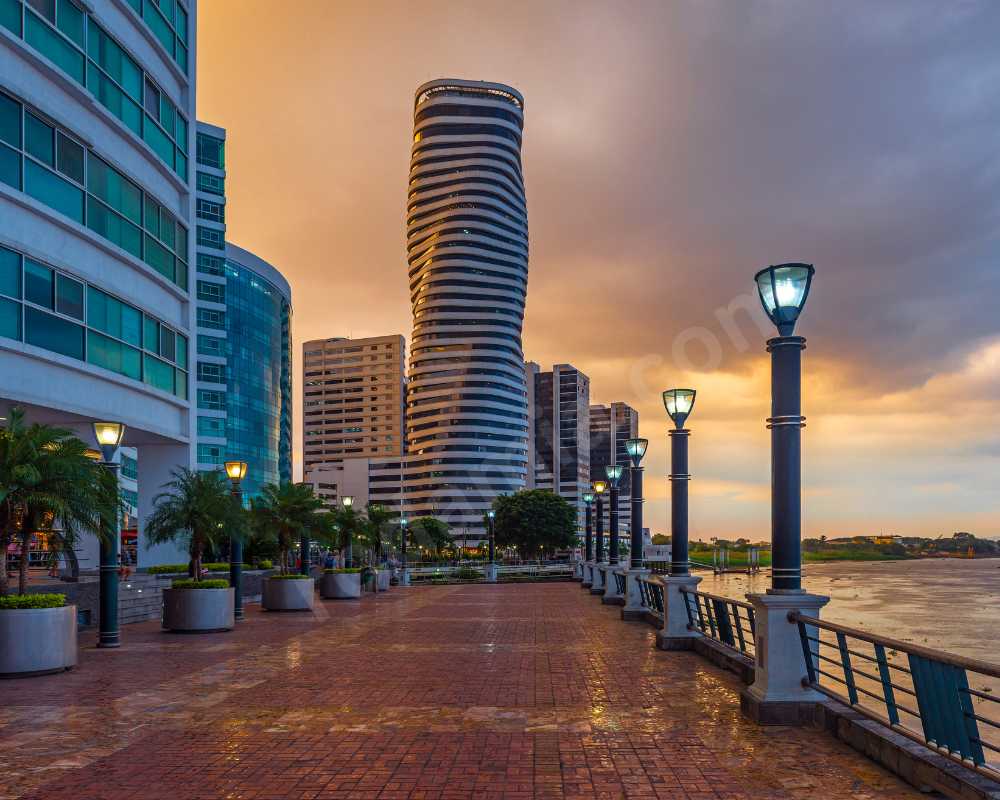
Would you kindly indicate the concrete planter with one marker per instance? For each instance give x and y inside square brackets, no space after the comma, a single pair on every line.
[340,585]
[199,609]
[383,577]
[37,641]
[288,595]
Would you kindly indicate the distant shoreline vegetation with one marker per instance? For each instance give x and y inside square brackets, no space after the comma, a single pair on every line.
[853,548]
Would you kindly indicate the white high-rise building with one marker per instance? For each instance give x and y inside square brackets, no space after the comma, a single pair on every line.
[467,245]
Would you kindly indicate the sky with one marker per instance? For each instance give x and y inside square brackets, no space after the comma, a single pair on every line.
[672,149]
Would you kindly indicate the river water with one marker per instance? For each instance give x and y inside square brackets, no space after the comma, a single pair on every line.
[949,604]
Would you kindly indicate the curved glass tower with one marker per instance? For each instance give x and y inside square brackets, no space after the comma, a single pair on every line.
[467,248]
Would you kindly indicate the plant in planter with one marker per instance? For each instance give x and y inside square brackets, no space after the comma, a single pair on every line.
[196,510]
[48,485]
[289,512]
[343,583]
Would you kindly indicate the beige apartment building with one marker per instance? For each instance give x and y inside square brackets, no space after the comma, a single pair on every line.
[353,392]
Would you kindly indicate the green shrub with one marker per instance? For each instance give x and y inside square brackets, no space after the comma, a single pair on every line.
[341,570]
[166,569]
[265,563]
[293,576]
[191,583]
[32,601]
[221,566]
[467,573]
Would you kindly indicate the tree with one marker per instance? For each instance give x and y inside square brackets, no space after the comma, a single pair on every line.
[287,511]
[378,519]
[535,521]
[196,509]
[660,538]
[430,533]
[47,481]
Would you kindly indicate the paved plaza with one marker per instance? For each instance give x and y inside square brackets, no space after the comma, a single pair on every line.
[471,691]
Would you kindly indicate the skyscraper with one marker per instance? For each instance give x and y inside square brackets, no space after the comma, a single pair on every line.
[562,434]
[96,206]
[352,399]
[243,389]
[467,248]
[610,427]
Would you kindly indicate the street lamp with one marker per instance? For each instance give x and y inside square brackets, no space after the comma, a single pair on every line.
[783,292]
[679,403]
[636,449]
[614,474]
[588,542]
[236,472]
[403,522]
[776,694]
[348,502]
[109,437]
[491,571]
[597,580]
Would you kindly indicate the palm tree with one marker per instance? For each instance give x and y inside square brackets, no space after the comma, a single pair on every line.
[348,522]
[287,511]
[372,529]
[197,509]
[47,482]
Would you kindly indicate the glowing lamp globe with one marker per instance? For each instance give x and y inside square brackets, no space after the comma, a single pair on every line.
[783,290]
[236,470]
[347,500]
[600,487]
[636,449]
[588,497]
[109,436]
[614,473]
[678,403]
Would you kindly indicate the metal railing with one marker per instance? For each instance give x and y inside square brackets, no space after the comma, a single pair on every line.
[651,592]
[420,571]
[927,699]
[620,582]
[727,621]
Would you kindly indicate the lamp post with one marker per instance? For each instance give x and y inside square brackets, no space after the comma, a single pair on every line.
[236,471]
[597,573]
[633,610]
[405,578]
[611,594]
[109,438]
[348,501]
[491,569]
[675,634]
[777,694]
[586,575]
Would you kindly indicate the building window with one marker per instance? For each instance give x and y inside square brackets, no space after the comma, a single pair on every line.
[211,400]
[211,151]
[211,346]
[213,212]
[213,184]
[129,467]
[208,318]
[211,373]
[211,426]
[210,454]
[168,20]
[212,292]
[211,265]
[209,237]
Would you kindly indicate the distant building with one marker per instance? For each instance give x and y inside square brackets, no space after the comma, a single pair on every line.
[562,434]
[610,427]
[352,400]
[367,480]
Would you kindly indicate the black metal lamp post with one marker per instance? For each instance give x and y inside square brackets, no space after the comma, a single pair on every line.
[614,473]
[236,471]
[491,516]
[588,531]
[348,502]
[109,438]
[403,522]
[783,291]
[636,449]
[679,403]
[599,488]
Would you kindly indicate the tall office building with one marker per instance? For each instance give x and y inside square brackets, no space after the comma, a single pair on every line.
[96,202]
[243,389]
[352,399]
[610,427]
[467,249]
[562,434]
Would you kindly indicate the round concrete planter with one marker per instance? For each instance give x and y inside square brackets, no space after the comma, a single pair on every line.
[340,585]
[201,610]
[288,595]
[37,641]
[384,576]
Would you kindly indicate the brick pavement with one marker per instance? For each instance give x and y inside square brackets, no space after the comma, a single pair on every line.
[449,692]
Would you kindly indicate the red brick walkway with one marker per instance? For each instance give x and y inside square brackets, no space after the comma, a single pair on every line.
[519,691]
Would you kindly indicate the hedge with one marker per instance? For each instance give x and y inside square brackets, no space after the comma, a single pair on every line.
[169,569]
[191,583]
[342,571]
[12,601]
[294,576]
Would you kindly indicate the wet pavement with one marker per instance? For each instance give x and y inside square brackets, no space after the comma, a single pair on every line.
[445,692]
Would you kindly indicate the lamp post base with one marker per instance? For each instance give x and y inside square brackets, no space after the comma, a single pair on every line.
[633,610]
[612,597]
[675,634]
[587,574]
[597,583]
[491,573]
[404,577]
[777,695]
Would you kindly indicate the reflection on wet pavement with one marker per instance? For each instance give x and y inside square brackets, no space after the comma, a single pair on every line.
[532,690]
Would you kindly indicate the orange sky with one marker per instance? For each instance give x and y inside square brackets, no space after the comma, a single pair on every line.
[671,149]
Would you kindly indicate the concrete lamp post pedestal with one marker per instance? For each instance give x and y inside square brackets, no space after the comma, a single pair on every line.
[612,597]
[491,573]
[675,634]
[597,584]
[777,695]
[588,575]
[634,610]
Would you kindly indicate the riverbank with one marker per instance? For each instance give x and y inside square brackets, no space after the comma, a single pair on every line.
[738,558]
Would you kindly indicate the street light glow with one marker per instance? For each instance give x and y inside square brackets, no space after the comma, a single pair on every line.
[783,290]
[679,403]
